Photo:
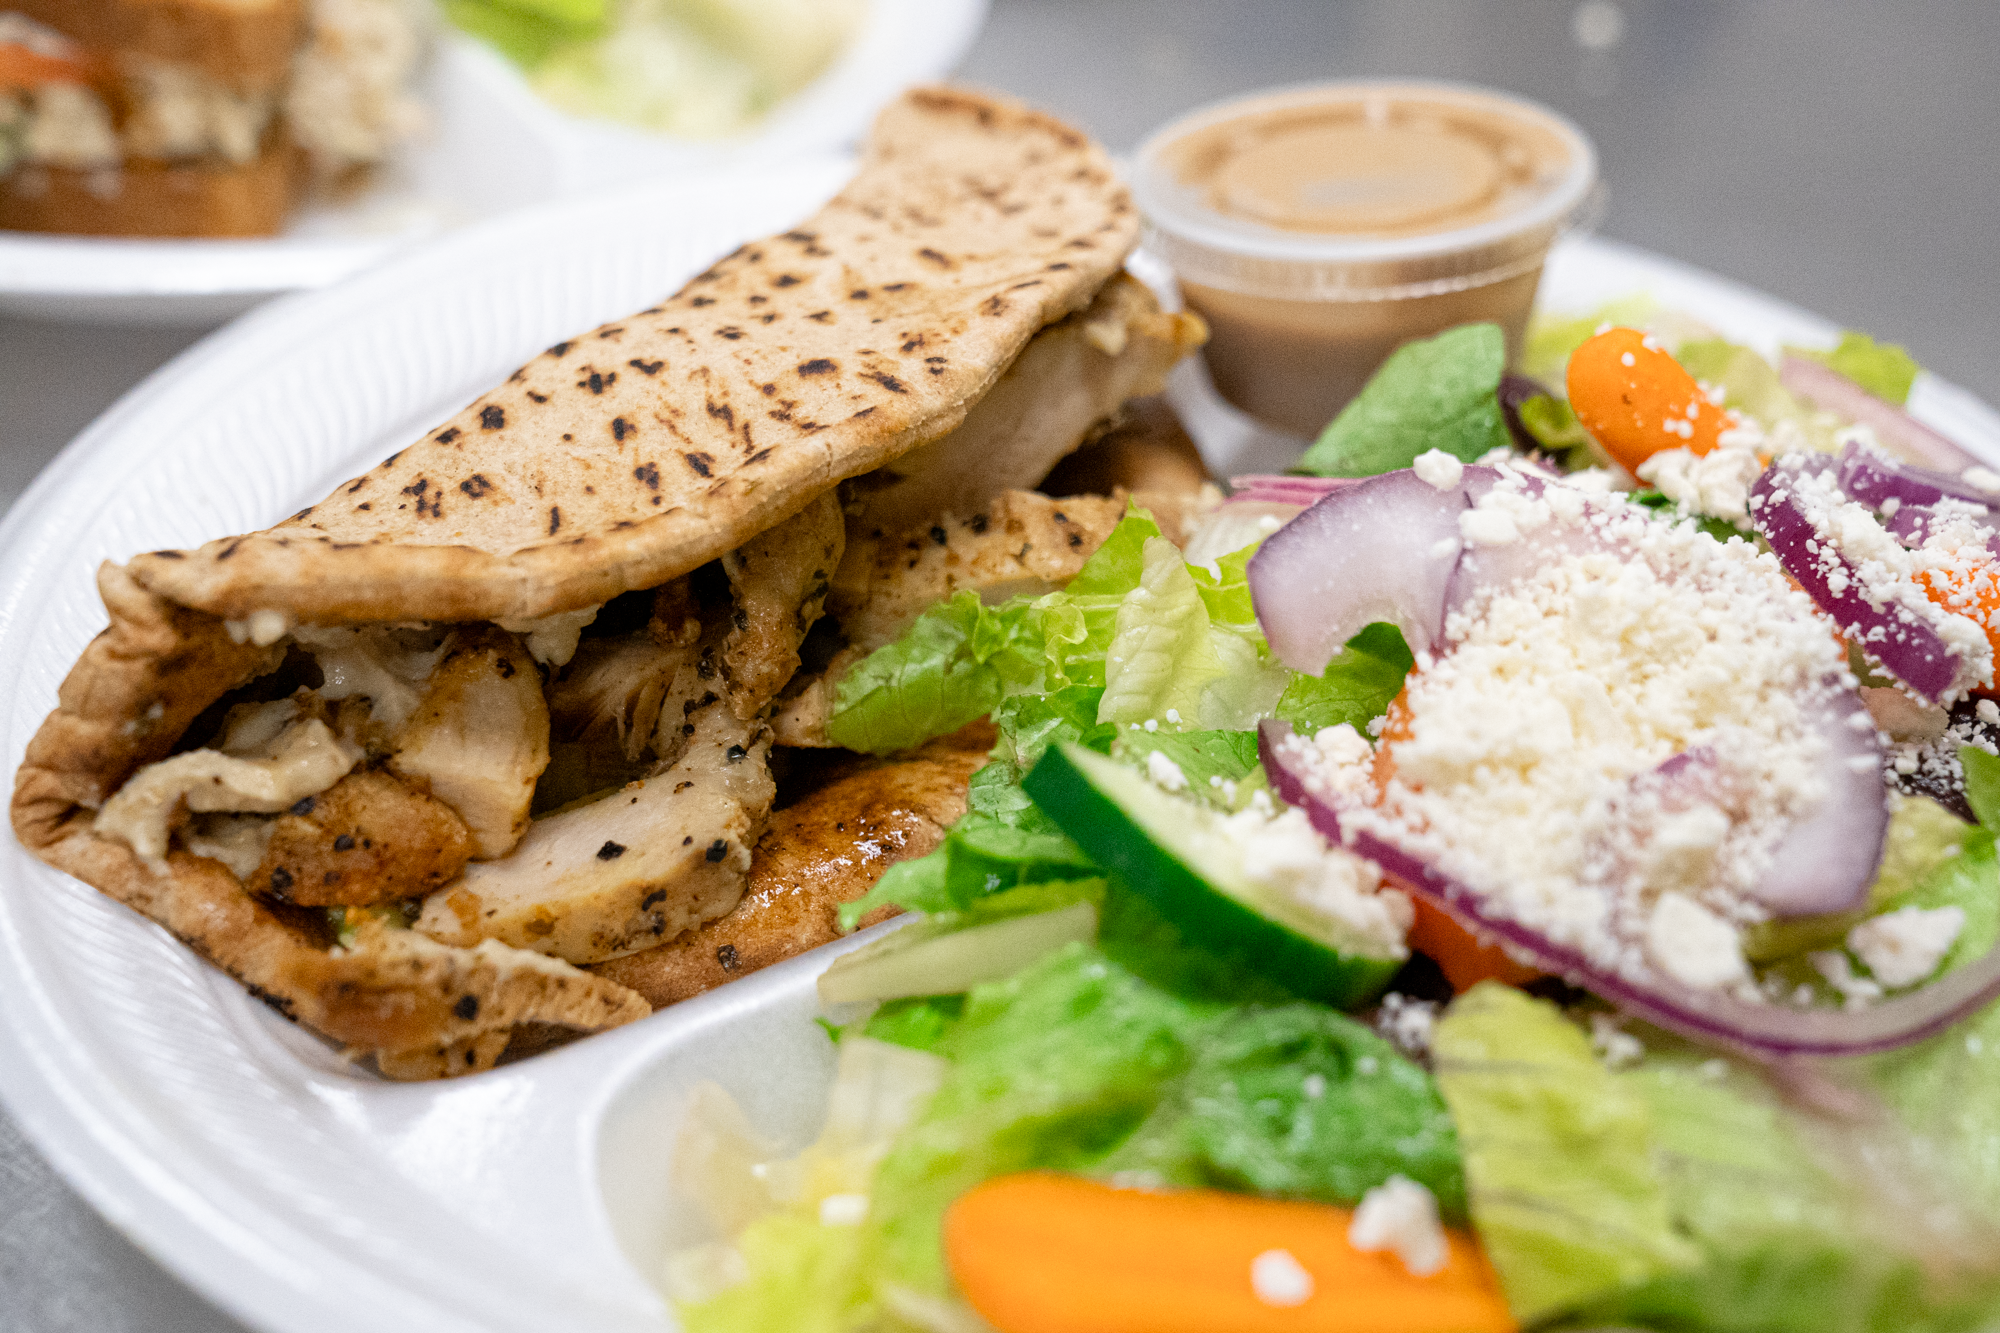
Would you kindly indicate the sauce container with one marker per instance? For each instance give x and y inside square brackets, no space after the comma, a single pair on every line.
[1318,228]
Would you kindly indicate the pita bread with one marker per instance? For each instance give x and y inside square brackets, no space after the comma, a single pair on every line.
[652,445]
[618,461]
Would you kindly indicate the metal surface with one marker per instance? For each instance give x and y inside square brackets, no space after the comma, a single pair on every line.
[1833,152]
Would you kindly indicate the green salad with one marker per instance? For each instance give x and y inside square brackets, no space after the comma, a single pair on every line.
[1362,961]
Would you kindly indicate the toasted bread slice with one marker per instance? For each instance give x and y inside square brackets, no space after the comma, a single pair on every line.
[246,44]
[146,198]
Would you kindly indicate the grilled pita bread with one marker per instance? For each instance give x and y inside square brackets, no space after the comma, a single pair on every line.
[619,462]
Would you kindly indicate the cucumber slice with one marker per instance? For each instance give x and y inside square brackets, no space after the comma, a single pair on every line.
[921,959]
[1173,853]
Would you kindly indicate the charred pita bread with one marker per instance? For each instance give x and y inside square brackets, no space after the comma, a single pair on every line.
[368,643]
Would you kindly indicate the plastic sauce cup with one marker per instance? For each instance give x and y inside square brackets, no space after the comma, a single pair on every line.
[1318,228]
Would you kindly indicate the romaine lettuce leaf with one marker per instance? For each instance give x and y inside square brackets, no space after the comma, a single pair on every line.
[1086,1063]
[1751,386]
[960,659]
[1305,1103]
[1552,339]
[1982,785]
[1162,657]
[1558,1155]
[1436,393]
[1357,686]
[1207,759]
[1883,369]
[800,1274]
[952,665]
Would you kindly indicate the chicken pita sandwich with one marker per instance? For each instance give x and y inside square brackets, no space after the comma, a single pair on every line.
[479,748]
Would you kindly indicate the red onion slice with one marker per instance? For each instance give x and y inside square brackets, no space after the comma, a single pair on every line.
[1278,488]
[1758,1029]
[1381,550]
[1874,479]
[1826,862]
[1828,389]
[1915,652]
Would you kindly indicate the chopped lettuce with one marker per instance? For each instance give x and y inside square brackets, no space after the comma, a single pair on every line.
[1883,369]
[1144,1060]
[1564,1190]
[1982,785]
[1215,764]
[528,32]
[960,659]
[1357,686]
[1301,1102]
[1436,393]
[1553,338]
[951,666]
[1750,385]
[798,1274]
[1162,656]
[1689,1193]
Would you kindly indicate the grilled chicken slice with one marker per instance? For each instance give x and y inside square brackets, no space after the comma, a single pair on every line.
[780,582]
[479,737]
[1145,449]
[1019,543]
[1071,377]
[366,839]
[642,864]
[826,850]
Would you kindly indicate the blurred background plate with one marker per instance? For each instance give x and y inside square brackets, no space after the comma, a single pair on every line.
[493,147]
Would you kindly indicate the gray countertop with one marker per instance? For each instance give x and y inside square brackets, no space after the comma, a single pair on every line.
[1836,153]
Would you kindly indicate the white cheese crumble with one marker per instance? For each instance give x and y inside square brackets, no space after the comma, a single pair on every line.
[1716,483]
[1280,1280]
[1401,1216]
[1618,1048]
[1982,479]
[1293,867]
[1903,947]
[1617,734]
[1164,773]
[1436,468]
[1407,1023]
[843,1210]
[1693,945]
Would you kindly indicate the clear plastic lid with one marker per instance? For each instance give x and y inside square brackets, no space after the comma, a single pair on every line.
[1363,191]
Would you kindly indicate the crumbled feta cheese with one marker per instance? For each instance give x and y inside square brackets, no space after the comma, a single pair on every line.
[1401,1216]
[1280,1280]
[1165,773]
[1614,739]
[1615,1046]
[1987,711]
[1285,856]
[1903,947]
[1488,527]
[1174,716]
[1406,1022]
[1314,1087]
[1716,483]
[1693,945]
[843,1210]
[1838,970]
[1982,479]
[1435,467]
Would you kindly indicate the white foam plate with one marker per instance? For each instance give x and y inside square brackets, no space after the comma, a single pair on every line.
[492,147]
[294,1191]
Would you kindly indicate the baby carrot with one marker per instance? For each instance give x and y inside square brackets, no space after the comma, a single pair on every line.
[1636,400]
[1044,1253]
